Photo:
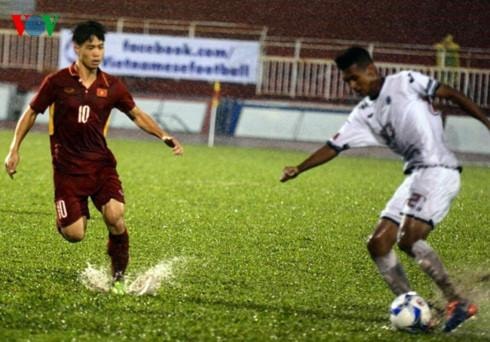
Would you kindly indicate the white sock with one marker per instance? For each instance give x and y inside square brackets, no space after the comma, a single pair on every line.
[392,272]
[430,263]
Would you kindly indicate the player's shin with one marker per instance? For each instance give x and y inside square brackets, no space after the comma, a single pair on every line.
[392,272]
[432,266]
[118,250]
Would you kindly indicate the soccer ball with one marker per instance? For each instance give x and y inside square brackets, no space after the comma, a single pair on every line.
[410,312]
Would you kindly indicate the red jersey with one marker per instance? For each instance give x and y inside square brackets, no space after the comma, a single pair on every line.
[79,117]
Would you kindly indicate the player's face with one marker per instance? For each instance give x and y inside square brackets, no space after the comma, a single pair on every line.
[360,79]
[91,52]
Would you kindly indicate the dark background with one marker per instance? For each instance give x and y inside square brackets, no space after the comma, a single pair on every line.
[394,21]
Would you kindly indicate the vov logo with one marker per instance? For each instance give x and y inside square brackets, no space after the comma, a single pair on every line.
[35,25]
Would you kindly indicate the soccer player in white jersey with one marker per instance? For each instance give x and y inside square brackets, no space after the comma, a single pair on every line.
[397,112]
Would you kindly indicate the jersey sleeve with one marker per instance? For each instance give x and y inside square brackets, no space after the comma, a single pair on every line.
[354,133]
[44,97]
[423,85]
[124,101]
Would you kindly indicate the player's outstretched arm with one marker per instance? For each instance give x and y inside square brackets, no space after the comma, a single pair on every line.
[25,123]
[320,156]
[147,124]
[446,92]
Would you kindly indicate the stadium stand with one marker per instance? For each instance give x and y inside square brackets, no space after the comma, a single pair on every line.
[297,48]
[291,68]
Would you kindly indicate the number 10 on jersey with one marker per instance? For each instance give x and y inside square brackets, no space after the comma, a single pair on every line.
[83,114]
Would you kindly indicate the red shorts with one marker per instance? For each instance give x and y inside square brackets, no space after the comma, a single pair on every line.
[71,193]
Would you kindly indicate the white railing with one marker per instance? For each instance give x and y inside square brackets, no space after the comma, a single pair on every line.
[188,28]
[291,77]
[26,52]
[315,78]
[299,47]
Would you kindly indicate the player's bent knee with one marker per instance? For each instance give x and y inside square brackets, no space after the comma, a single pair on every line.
[118,228]
[378,246]
[114,219]
[72,238]
[383,238]
[75,232]
[113,213]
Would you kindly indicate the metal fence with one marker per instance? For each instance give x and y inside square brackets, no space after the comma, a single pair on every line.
[25,52]
[291,77]
[314,78]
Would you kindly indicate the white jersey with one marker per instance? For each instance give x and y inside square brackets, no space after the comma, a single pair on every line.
[401,118]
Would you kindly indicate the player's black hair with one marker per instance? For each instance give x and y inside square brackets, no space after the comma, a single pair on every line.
[354,55]
[83,31]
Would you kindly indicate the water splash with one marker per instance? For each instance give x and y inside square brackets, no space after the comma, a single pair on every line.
[96,279]
[150,281]
[144,283]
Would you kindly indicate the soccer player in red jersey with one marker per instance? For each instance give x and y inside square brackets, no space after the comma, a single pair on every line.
[80,99]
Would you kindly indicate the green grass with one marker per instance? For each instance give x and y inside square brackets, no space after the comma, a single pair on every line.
[264,260]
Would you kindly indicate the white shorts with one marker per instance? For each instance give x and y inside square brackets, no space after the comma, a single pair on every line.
[425,194]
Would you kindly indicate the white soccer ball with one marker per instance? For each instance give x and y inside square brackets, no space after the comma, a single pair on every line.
[410,312]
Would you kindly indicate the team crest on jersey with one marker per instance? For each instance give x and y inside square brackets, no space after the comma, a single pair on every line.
[69,90]
[101,92]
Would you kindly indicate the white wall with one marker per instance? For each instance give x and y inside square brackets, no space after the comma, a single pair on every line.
[175,115]
[268,123]
[320,126]
[463,134]
[7,91]
[289,123]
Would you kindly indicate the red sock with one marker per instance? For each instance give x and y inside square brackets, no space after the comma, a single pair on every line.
[118,250]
